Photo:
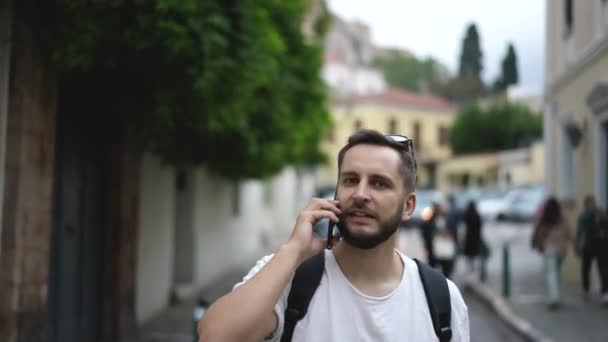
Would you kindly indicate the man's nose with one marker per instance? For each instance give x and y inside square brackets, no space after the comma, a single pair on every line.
[361,192]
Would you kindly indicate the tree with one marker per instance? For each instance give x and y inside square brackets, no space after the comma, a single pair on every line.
[233,85]
[471,56]
[468,85]
[501,126]
[509,75]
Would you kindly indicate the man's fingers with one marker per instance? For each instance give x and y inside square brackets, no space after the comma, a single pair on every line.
[323,204]
[317,215]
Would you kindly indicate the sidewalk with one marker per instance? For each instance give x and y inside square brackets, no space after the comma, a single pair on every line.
[175,323]
[577,320]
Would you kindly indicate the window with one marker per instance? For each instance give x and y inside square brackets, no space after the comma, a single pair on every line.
[443,134]
[417,137]
[568,17]
[392,126]
[181,180]
[565,166]
[358,125]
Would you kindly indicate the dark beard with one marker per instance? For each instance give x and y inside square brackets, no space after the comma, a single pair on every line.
[367,241]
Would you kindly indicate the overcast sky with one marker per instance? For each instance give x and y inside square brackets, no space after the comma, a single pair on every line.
[436,28]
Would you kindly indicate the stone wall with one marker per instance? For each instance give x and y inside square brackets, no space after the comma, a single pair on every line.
[26,223]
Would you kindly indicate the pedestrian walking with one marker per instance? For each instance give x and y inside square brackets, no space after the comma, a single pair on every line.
[592,244]
[428,229]
[439,241]
[453,217]
[551,237]
[360,289]
[472,248]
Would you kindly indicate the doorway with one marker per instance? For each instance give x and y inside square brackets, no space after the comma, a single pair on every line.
[79,219]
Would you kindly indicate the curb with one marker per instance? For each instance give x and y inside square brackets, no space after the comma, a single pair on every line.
[501,307]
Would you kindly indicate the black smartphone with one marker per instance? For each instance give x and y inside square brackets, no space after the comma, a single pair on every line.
[326,229]
[332,225]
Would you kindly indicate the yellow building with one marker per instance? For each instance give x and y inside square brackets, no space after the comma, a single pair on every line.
[576,106]
[471,170]
[503,169]
[424,118]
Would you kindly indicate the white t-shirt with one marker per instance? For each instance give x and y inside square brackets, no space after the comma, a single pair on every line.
[339,312]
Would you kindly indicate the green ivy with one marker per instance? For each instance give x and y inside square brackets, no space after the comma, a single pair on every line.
[232,84]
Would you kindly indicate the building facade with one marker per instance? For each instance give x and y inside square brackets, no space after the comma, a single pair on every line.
[576,103]
[576,109]
[424,118]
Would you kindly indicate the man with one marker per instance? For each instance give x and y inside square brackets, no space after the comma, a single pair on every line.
[453,218]
[592,243]
[369,291]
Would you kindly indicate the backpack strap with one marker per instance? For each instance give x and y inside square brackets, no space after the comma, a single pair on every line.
[303,287]
[438,298]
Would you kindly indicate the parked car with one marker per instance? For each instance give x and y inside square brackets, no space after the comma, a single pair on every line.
[523,208]
[463,196]
[492,203]
[424,203]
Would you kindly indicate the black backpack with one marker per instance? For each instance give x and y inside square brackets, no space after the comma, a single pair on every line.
[308,276]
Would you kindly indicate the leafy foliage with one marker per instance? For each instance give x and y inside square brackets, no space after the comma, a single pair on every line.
[509,75]
[231,84]
[501,126]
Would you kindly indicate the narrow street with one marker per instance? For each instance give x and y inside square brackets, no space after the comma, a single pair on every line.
[484,324]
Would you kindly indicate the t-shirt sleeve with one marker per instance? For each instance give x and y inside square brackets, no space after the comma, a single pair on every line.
[279,308]
[460,315]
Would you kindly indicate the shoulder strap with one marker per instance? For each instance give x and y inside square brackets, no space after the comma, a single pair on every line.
[303,287]
[438,298]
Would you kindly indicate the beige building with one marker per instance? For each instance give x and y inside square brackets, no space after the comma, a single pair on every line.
[424,118]
[472,170]
[502,169]
[576,109]
[576,102]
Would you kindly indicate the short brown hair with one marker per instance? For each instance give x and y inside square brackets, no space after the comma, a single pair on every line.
[372,137]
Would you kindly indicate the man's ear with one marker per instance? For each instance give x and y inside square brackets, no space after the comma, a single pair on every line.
[410,205]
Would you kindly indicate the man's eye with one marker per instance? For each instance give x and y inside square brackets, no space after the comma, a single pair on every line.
[379,184]
[349,181]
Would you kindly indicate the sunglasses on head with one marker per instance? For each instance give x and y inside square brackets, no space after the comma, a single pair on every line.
[403,140]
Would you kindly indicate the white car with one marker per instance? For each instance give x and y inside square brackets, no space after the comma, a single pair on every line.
[493,205]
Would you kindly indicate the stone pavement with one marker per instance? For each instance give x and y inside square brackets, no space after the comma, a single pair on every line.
[175,324]
[577,320]
[525,311]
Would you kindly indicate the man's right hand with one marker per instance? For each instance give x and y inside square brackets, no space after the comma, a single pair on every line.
[306,242]
[228,320]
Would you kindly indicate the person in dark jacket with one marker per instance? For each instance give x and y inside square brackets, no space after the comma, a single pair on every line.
[472,239]
[428,229]
[438,241]
[591,244]
[453,217]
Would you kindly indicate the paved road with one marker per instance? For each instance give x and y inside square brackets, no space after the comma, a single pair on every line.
[484,324]
[578,320]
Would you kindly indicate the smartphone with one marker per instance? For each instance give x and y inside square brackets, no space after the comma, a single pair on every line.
[331,233]
[326,229]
